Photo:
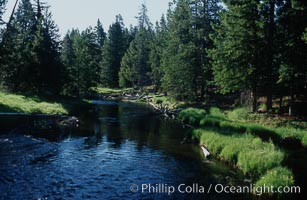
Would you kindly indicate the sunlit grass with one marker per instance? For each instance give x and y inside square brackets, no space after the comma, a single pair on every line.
[235,121]
[101,90]
[167,101]
[250,154]
[279,176]
[23,104]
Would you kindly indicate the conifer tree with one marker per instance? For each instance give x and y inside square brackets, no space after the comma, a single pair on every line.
[235,58]
[293,68]
[2,9]
[112,53]
[156,51]
[135,61]
[179,57]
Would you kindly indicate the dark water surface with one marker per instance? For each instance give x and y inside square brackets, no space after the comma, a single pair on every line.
[122,145]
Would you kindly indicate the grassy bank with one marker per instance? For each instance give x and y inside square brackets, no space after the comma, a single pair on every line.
[32,104]
[238,120]
[259,151]
[108,91]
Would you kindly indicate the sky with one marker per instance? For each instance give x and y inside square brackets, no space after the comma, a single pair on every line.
[80,14]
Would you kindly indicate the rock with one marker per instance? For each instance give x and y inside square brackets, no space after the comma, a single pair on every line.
[70,122]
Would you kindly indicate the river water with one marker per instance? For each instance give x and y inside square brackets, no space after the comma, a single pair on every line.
[118,147]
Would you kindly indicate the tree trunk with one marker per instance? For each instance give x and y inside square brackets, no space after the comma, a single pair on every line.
[254,100]
[291,102]
[269,100]
[280,104]
[271,54]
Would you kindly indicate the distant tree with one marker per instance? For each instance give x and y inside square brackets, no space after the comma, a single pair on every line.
[68,59]
[157,47]
[100,34]
[112,53]
[137,56]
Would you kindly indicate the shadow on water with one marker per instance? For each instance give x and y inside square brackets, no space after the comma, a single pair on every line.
[117,144]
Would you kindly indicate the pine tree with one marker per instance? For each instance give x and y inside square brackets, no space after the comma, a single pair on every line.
[136,58]
[112,53]
[179,57]
[236,60]
[157,47]
[46,65]
[68,60]
[128,74]
[93,55]
[2,9]
[100,34]
[204,14]
[16,48]
[292,21]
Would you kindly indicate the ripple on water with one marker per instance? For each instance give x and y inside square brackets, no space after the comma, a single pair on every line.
[79,167]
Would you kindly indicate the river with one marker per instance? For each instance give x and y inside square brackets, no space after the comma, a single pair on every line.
[118,147]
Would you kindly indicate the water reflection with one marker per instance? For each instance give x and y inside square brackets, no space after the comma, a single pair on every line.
[120,145]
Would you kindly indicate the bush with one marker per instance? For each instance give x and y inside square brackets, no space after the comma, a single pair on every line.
[192,115]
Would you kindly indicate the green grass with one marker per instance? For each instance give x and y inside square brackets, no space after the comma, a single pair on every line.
[238,114]
[192,115]
[279,176]
[23,104]
[101,90]
[261,160]
[167,101]
[236,121]
[244,151]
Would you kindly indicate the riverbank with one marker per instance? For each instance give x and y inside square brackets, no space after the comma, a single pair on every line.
[269,149]
[17,103]
[267,154]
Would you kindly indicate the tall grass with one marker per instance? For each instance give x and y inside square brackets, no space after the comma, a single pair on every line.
[20,103]
[245,151]
[238,114]
[246,145]
[253,156]
[192,115]
[101,90]
[279,176]
[236,121]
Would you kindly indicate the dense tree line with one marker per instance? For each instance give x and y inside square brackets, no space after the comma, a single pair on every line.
[200,48]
